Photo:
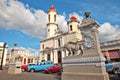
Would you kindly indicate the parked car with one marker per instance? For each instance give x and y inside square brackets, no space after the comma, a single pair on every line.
[40,66]
[53,69]
[32,64]
[24,67]
[112,67]
[118,72]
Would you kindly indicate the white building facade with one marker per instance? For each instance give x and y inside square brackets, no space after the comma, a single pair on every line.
[52,47]
[23,55]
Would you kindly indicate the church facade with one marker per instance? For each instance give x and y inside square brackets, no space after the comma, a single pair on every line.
[52,47]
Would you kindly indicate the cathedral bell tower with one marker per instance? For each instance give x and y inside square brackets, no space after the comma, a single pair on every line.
[52,26]
[73,24]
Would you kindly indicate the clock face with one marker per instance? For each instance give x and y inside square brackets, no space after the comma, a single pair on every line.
[89,39]
[88,42]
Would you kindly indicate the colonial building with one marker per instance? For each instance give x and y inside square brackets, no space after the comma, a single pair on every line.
[52,47]
[111,50]
[26,56]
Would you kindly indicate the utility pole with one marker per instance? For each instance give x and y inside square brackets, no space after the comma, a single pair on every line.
[4,46]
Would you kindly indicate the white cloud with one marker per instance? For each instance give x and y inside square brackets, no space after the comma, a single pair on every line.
[62,23]
[33,52]
[16,15]
[107,32]
[79,18]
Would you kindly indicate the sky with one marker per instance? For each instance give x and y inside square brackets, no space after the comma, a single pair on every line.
[24,21]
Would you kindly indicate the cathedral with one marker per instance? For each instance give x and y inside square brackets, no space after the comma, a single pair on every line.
[52,47]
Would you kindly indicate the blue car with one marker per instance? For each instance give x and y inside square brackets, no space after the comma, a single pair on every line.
[109,67]
[112,67]
[40,66]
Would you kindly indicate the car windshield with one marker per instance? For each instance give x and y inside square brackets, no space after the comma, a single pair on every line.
[44,62]
[107,61]
[31,64]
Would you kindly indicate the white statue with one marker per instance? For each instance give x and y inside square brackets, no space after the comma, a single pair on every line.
[74,48]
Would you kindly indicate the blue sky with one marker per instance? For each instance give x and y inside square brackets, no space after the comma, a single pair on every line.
[24,21]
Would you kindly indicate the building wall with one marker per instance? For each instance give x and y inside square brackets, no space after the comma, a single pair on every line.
[74,26]
[53,44]
[52,47]
[51,30]
[106,47]
[52,27]
[7,59]
[111,49]
[23,56]
[52,13]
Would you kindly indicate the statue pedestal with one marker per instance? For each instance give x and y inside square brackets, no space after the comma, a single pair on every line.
[90,66]
[15,68]
[86,73]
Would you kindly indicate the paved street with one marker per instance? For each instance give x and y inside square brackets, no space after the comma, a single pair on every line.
[37,76]
[114,77]
[27,76]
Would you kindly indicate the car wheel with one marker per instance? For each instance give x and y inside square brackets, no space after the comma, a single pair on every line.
[114,70]
[50,72]
[32,70]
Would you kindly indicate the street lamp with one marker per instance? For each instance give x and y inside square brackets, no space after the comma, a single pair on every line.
[4,45]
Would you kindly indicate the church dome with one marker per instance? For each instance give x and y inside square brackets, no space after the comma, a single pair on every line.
[73,18]
[52,8]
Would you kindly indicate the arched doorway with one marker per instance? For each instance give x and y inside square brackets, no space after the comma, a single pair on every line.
[48,57]
[28,60]
[59,57]
[24,60]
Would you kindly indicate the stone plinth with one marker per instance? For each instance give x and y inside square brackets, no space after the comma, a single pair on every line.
[15,68]
[91,64]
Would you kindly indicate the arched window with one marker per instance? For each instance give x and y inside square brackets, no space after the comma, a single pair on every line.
[31,60]
[59,56]
[42,46]
[49,18]
[55,18]
[48,57]
[24,60]
[71,28]
[28,60]
[58,42]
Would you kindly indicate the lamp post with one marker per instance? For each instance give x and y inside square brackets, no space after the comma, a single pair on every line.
[4,45]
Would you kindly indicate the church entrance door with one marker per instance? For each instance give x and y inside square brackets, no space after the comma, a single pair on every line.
[48,57]
[59,56]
